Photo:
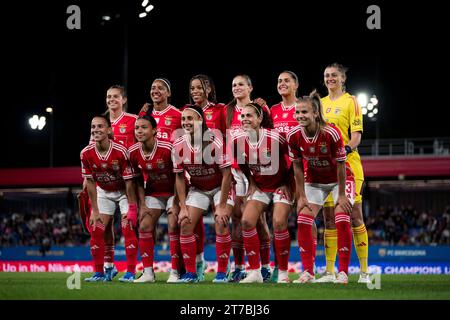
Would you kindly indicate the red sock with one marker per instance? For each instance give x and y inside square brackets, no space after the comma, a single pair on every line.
[264,251]
[305,241]
[223,248]
[251,244]
[282,241]
[147,246]
[131,246]
[188,248]
[199,232]
[97,244]
[109,253]
[314,249]
[238,252]
[344,232]
[175,251]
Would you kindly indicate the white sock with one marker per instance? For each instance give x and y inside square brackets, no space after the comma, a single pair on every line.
[109,264]
[267,266]
[148,270]
[200,257]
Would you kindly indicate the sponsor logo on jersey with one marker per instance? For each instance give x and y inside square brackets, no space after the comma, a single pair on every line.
[149,166]
[285,115]
[157,120]
[94,166]
[312,149]
[104,165]
[356,122]
[276,116]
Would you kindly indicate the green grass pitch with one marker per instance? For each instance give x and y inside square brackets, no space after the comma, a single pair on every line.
[54,286]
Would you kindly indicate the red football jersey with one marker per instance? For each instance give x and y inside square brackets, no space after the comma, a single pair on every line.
[283,117]
[214,116]
[319,153]
[110,170]
[156,168]
[202,167]
[266,158]
[123,129]
[168,121]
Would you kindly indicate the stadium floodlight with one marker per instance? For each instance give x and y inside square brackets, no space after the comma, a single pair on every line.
[49,110]
[142,15]
[362,99]
[370,106]
[149,8]
[106,18]
[370,114]
[375,110]
[364,111]
[144,3]
[36,122]
[374,100]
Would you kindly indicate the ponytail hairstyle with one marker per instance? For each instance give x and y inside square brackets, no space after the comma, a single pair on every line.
[293,76]
[266,118]
[166,83]
[123,93]
[108,122]
[206,82]
[150,119]
[199,111]
[230,106]
[343,70]
[316,104]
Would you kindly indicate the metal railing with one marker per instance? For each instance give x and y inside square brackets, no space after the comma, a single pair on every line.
[405,147]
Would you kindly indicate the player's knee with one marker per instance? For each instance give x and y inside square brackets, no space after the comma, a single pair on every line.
[186,228]
[279,224]
[246,224]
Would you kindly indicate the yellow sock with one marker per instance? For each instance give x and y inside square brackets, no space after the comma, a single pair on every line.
[361,241]
[330,241]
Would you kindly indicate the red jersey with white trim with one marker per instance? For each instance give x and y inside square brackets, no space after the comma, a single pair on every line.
[156,168]
[123,129]
[204,167]
[319,154]
[109,170]
[283,117]
[168,121]
[214,116]
[265,158]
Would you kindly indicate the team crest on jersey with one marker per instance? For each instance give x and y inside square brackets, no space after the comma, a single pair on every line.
[323,148]
[168,121]
[208,116]
[123,128]
[160,163]
[328,110]
[104,165]
[115,165]
[149,166]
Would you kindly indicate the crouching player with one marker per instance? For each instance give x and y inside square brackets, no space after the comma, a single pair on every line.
[202,155]
[152,166]
[105,165]
[323,172]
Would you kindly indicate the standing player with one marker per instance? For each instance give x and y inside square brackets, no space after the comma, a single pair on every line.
[203,156]
[168,119]
[104,166]
[241,89]
[151,161]
[122,124]
[261,153]
[342,110]
[317,151]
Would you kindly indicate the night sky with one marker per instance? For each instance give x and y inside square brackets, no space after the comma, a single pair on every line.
[47,64]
